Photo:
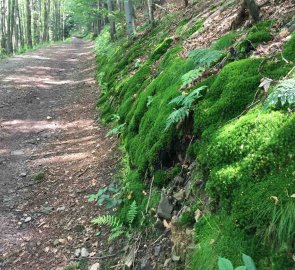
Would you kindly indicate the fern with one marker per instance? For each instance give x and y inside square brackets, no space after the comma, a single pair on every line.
[132,212]
[185,101]
[113,222]
[107,220]
[205,57]
[117,130]
[191,76]
[283,93]
[176,117]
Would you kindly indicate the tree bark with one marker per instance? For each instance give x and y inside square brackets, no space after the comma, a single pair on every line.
[151,9]
[111,19]
[129,15]
[29,24]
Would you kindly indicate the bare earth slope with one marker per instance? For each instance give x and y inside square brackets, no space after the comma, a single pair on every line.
[48,128]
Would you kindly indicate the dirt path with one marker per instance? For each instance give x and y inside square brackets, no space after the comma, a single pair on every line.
[48,129]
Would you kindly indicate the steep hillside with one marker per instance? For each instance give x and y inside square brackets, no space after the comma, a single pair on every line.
[205,114]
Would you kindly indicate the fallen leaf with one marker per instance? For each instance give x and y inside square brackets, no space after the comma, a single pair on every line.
[166,224]
[265,84]
[275,198]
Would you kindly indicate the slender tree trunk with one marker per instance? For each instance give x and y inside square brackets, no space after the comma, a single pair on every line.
[46,20]
[151,9]
[20,27]
[29,24]
[185,2]
[3,30]
[111,19]
[129,14]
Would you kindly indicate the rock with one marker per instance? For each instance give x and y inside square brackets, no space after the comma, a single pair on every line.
[111,249]
[23,174]
[62,208]
[178,179]
[164,208]
[48,117]
[95,266]
[157,251]
[46,210]
[28,219]
[84,253]
[179,196]
[17,153]
[145,264]
[77,252]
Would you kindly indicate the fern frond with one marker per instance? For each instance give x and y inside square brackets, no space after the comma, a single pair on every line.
[116,232]
[205,57]
[132,212]
[107,220]
[283,93]
[193,96]
[117,130]
[176,117]
[178,100]
[191,76]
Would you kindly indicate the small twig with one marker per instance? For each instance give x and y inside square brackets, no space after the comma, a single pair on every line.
[293,68]
[159,238]
[99,258]
[80,174]
[148,202]
[161,7]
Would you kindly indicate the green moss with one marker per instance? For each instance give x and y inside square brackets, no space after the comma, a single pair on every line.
[163,177]
[289,49]
[232,90]
[218,236]
[161,49]
[225,41]
[260,33]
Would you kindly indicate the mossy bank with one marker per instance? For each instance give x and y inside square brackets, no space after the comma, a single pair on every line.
[243,178]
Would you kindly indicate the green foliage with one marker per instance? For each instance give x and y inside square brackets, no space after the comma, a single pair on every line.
[185,102]
[132,213]
[283,92]
[225,264]
[289,49]
[113,222]
[225,41]
[107,196]
[205,57]
[116,130]
[191,76]
[38,177]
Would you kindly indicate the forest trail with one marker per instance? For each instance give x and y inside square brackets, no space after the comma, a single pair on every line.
[48,131]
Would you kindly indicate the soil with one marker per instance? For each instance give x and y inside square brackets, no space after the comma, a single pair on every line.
[53,153]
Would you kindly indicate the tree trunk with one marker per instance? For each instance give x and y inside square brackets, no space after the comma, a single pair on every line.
[3,31]
[111,19]
[20,27]
[129,14]
[151,9]
[185,2]
[254,11]
[46,12]
[29,24]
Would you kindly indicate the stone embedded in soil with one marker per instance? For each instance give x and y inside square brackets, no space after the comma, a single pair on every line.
[84,253]
[165,208]
[95,266]
[179,196]
[28,219]
[23,174]
[77,252]
[17,153]
[157,251]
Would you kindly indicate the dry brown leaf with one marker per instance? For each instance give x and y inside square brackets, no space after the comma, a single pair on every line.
[265,84]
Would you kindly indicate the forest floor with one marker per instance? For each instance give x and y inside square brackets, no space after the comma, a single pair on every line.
[53,152]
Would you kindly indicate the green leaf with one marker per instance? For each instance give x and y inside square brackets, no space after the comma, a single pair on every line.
[241,268]
[224,264]
[249,263]
[102,199]
[110,204]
